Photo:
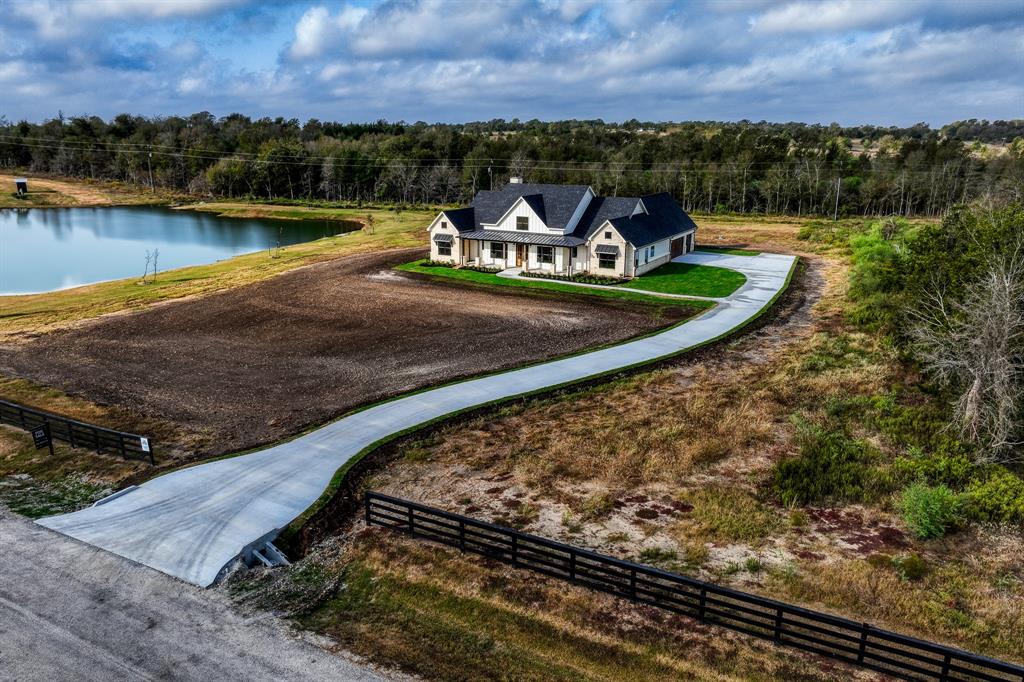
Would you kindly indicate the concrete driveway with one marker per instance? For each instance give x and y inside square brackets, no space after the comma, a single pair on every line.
[192,522]
[69,611]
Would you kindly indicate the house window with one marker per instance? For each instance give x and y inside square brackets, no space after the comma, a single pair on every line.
[651,254]
[608,235]
[444,248]
[606,261]
[572,252]
[498,250]
[545,254]
[522,222]
[444,225]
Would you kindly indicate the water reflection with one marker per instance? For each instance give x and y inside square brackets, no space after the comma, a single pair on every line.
[44,249]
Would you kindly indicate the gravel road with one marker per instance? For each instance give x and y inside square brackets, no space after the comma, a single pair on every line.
[69,611]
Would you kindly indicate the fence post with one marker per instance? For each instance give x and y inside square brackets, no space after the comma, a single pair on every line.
[632,582]
[412,520]
[120,445]
[777,636]
[366,502]
[515,550]
[703,603]
[863,642]
[572,565]
[945,668]
[462,535]
[96,438]
[21,416]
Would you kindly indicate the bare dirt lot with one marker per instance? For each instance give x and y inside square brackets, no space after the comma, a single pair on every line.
[261,362]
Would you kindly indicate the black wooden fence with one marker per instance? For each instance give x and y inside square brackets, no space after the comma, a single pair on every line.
[78,434]
[820,633]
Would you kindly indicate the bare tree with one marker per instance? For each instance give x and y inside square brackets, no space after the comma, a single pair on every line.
[975,345]
[156,258]
[145,273]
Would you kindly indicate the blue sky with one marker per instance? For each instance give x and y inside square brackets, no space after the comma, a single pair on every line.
[851,61]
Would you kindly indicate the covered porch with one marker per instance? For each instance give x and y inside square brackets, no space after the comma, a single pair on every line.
[527,252]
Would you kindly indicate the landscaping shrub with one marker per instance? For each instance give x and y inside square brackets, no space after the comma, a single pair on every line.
[583,277]
[999,498]
[831,467]
[929,511]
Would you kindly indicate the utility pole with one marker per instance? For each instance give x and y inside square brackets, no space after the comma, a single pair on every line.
[839,184]
[149,162]
[490,178]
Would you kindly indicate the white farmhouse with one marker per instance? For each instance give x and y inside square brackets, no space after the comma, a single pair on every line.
[563,230]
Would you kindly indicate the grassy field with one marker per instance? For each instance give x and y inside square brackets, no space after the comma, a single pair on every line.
[673,468]
[487,278]
[689,280]
[52,192]
[41,312]
[442,616]
[729,251]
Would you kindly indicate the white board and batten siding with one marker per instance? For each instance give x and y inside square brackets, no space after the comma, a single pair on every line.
[521,209]
[441,225]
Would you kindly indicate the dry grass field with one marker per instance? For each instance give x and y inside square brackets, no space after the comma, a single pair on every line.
[671,467]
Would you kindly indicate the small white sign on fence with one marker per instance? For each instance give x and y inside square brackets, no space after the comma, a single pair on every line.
[144,443]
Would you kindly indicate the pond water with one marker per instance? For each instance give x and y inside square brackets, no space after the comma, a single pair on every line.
[45,249]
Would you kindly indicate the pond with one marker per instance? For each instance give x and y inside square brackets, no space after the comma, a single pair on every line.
[45,249]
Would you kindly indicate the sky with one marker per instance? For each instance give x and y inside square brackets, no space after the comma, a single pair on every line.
[885,62]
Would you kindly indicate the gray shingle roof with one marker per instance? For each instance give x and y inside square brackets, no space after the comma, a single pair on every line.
[555,205]
[524,238]
[461,218]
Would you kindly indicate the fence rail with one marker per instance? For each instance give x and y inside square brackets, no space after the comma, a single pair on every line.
[838,638]
[78,434]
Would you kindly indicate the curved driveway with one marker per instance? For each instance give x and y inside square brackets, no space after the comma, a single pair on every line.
[192,522]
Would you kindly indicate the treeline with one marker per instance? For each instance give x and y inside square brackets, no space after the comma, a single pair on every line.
[786,168]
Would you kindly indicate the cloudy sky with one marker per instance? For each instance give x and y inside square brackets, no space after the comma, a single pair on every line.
[851,61]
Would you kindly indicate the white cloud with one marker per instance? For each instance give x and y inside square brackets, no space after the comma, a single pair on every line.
[833,15]
[317,29]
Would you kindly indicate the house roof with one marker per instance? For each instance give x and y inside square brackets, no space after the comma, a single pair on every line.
[461,218]
[556,204]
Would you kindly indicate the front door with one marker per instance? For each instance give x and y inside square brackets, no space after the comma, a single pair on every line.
[520,254]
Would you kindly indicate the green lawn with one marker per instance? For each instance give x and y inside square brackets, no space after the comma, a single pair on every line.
[728,250]
[689,280]
[488,278]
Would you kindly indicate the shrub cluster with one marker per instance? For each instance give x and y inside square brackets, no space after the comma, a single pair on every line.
[929,511]
[584,277]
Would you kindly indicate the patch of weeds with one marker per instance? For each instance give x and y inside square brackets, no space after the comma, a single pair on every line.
[35,498]
[835,352]
[996,498]
[665,559]
[727,515]
[831,467]
[598,506]
[798,518]
[731,568]
[617,537]
[753,564]
[695,554]
[571,523]
[929,511]
[910,567]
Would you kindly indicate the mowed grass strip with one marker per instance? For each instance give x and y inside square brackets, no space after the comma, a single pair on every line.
[687,279]
[487,278]
[40,312]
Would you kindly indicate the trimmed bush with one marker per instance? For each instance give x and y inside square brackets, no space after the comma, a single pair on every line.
[929,511]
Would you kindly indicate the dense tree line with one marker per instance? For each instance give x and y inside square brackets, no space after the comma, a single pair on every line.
[789,168]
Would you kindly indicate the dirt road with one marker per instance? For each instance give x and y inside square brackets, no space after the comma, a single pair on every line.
[261,362]
[69,611]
